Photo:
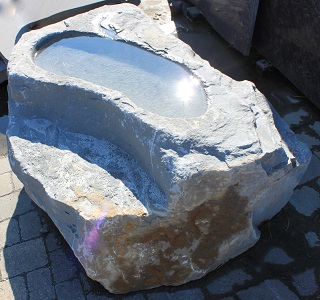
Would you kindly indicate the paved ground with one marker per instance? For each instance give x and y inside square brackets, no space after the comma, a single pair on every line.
[36,262]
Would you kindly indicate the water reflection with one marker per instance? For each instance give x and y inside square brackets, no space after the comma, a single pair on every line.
[150,81]
[186,88]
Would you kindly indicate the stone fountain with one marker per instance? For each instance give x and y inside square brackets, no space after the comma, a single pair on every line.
[155,167]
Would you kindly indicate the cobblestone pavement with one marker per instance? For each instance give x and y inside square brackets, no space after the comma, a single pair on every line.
[36,262]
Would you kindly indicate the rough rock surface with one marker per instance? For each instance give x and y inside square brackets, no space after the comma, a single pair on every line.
[146,200]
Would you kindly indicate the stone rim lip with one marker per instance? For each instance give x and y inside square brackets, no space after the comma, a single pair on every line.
[22,62]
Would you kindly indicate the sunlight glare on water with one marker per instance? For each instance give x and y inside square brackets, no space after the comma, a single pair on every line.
[150,81]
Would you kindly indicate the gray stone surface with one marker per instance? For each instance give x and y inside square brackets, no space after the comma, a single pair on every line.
[6,185]
[306,283]
[145,200]
[30,225]
[52,242]
[9,203]
[269,289]
[278,256]
[15,289]
[70,290]
[234,21]
[224,284]
[180,295]
[43,291]
[134,297]
[312,172]
[312,239]
[63,268]
[9,233]
[5,166]
[93,296]
[306,201]
[32,255]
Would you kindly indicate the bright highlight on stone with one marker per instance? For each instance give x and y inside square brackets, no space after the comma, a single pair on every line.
[147,192]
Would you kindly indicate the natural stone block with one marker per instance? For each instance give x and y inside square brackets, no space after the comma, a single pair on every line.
[145,196]
[234,21]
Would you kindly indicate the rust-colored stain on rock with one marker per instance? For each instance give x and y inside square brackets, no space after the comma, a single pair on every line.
[198,249]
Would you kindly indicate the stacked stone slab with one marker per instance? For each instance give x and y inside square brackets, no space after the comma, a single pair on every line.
[146,200]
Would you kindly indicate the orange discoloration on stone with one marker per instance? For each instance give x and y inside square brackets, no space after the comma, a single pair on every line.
[101,206]
[196,249]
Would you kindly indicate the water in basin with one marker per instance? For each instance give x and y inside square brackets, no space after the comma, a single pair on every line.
[150,81]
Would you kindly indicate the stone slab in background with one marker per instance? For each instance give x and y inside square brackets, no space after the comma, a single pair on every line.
[234,21]
[146,200]
[287,34]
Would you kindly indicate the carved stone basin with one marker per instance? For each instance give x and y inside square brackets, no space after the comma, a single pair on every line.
[150,81]
[155,167]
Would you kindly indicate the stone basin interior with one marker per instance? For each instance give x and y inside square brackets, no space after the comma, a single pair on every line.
[152,82]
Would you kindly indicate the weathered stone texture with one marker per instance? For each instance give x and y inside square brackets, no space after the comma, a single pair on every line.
[146,200]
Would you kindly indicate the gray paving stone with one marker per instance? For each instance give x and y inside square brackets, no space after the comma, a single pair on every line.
[294,118]
[93,296]
[307,139]
[306,201]
[190,294]
[278,256]
[62,268]
[30,225]
[40,285]
[316,127]
[3,272]
[17,184]
[306,283]
[160,296]
[6,290]
[8,205]
[134,297]
[312,171]
[9,233]
[269,289]
[25,257]
[6,185]
[4,165]
[15,204]
[52,242]
[224,284]
[312,239]
[3,144]
[70,290]
[13,289]
[85,281]
[25,204]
